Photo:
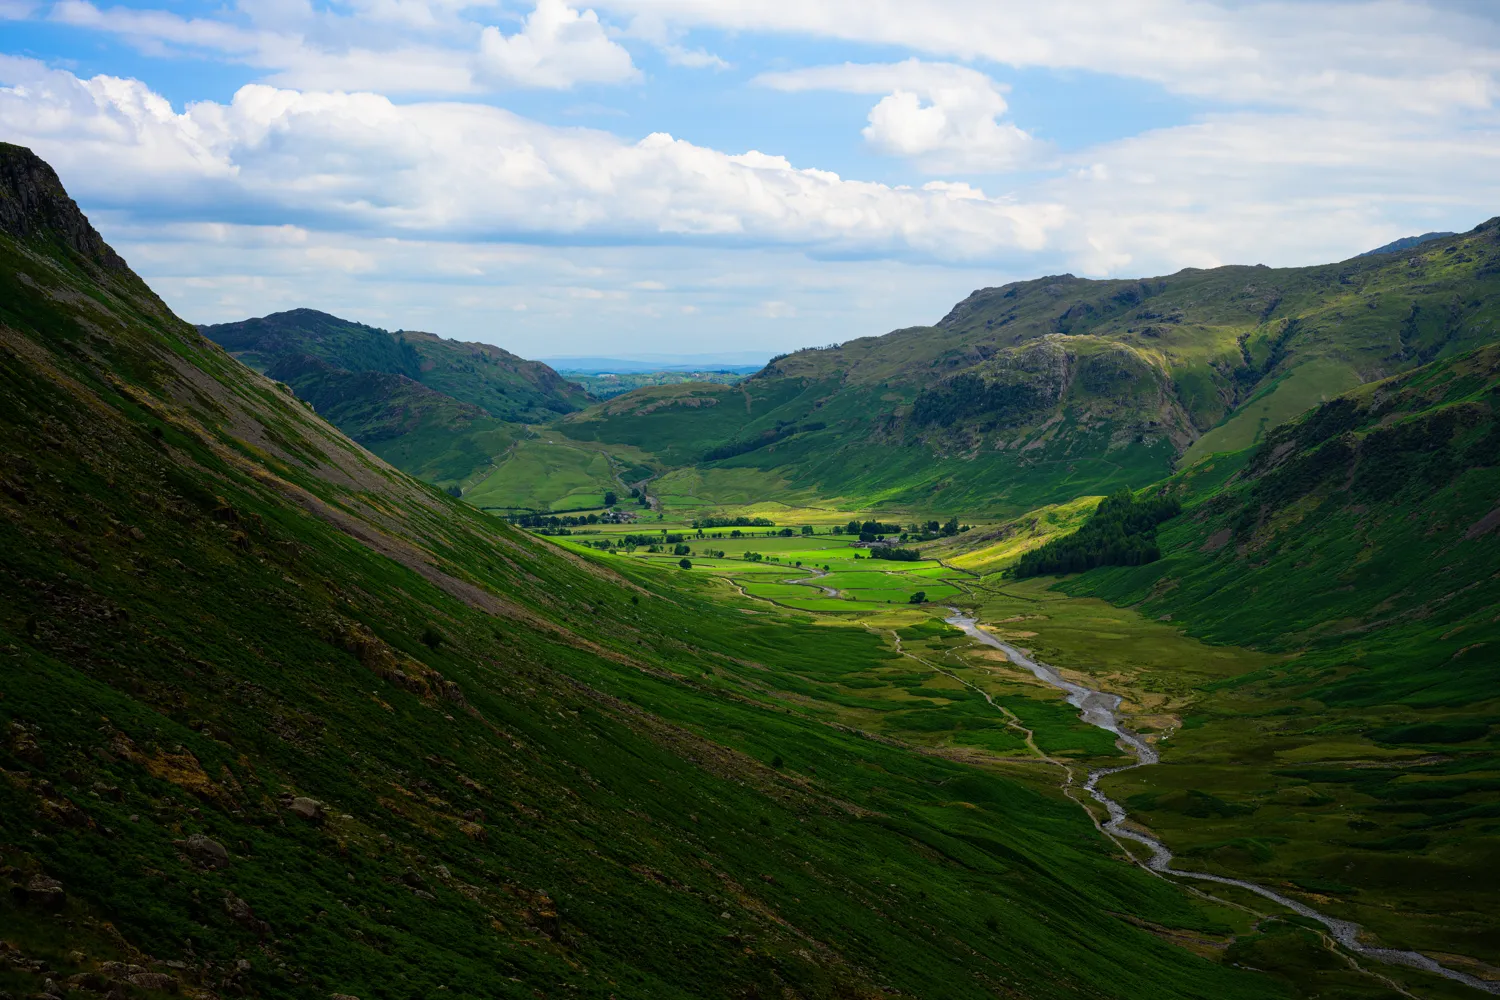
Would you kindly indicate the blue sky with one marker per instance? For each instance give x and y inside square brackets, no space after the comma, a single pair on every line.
[660,176]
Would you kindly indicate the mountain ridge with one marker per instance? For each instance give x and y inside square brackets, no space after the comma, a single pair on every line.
[1146,373]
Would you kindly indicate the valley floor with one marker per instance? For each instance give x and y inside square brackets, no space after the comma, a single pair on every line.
[1236,794]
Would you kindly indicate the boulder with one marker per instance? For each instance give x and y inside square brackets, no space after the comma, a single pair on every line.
[207,851]
[158,981]
[308,809]
[43,891]
[240,912]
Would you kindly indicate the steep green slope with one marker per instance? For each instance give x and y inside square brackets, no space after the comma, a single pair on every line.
[1366,532]
[1040,391]
[1361,543]
[419,430]
[281,721]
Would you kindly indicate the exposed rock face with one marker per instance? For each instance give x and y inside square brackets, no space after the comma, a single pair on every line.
[33,202]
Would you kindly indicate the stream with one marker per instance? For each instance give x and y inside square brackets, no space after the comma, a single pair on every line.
[1098,708]
[812,581]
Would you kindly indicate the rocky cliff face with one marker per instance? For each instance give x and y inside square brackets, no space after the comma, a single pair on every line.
[33,204]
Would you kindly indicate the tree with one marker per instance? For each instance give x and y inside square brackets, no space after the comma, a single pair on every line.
[807,529]
[454,491]
[920,597]
[951,528]
[610,499]
[685,563]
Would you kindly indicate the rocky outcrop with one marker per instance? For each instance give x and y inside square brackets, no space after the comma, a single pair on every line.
[34,204]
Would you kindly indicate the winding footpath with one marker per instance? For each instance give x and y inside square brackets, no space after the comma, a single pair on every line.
[1099,708]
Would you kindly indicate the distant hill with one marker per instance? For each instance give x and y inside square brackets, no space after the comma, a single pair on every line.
[608,385]
[503,385]
[439,409]
[1040,391]
[737,361]
[1406,243]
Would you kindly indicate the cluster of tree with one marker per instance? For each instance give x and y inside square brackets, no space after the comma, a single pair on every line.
[734,522]
[895,554]
[1120,532]
[753,557]
[551,521]
[920,597]
[730,449]
[929,530]
[967,394]
[868,528]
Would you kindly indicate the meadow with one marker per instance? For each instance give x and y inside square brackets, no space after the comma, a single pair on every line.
[927,688]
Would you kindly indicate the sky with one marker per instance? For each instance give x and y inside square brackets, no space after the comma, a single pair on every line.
[698,176]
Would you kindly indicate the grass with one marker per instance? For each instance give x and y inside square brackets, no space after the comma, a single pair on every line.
[1373,597]
[545,769]
[541,770]
[1301,389]
[538,473]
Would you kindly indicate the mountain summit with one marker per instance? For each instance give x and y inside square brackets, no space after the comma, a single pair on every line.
[34,205]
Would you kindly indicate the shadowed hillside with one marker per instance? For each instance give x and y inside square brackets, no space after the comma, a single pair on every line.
[441,410]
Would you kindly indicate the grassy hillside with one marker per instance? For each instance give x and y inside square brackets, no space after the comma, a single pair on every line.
[444,411]
[1359,545]
[282,721]
[1041,391]
[419,430]
[503,385]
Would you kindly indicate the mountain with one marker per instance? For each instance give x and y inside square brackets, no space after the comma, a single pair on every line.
[282,721]
[1406,243]
[442,410]
[1359,546]
[1040,391]
[503,385]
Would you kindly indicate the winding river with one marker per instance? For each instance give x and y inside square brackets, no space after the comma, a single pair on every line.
[1098,708]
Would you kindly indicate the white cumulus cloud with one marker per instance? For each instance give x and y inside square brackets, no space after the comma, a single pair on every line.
[557,48]
[362,162]
[945,116]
